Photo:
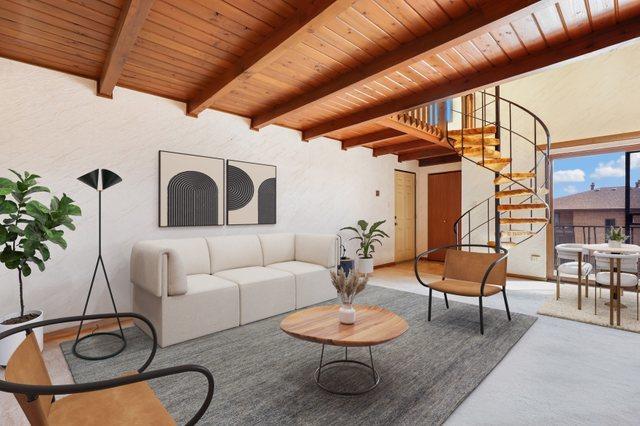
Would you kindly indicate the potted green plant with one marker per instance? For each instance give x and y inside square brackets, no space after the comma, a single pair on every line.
[26,228]
[368,237]
[616,237]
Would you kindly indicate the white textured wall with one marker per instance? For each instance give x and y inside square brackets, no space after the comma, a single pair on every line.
[53,124]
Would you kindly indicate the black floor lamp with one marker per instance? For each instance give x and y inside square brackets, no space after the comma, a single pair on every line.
[93,179]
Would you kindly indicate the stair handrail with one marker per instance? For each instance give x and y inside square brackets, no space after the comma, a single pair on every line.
[535,190]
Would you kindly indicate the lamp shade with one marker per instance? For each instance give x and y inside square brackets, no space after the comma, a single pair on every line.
[109,178]
[91,178]
[94,177]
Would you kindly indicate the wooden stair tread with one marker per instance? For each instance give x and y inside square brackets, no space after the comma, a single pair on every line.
[514,193]
[495,164]
[504,244]
[517,233]
[505,178]
[487,130]
[510,220]
[524,206]
[475,142]
[479,152]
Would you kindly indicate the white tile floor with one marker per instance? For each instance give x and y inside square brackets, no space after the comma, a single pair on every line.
[560,372]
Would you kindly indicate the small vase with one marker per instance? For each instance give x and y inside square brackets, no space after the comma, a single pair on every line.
[347,313]
[615,244]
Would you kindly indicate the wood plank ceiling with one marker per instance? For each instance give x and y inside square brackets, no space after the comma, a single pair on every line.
[331,68]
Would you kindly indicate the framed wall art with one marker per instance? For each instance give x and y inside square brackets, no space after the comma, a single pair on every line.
[251,193]
[191,190]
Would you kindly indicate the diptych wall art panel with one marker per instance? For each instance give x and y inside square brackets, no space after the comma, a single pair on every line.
[191,190]
[251,193]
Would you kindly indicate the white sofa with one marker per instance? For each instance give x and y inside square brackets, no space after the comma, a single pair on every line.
[196,286]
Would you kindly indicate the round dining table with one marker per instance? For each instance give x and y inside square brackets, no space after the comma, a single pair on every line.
[615,305]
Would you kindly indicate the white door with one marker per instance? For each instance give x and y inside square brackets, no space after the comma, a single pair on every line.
[405,222]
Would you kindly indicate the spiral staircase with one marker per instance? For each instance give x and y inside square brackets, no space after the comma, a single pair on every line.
[512,143]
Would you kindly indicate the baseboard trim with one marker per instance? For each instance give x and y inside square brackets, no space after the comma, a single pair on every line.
[69,333]
[385,265]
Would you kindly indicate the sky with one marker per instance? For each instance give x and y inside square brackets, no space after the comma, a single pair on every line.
[573,175]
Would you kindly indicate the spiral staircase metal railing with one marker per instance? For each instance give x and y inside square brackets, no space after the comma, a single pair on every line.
[504,138]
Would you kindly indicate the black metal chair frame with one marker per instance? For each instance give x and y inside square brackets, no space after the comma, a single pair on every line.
[33,391]
[482,285]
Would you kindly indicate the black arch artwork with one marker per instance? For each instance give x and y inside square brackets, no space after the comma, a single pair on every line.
[239,188]
[267,202]
[192,200]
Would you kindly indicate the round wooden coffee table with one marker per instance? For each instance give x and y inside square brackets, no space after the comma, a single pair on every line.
[374,325]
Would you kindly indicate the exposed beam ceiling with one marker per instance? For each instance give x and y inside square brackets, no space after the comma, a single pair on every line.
[425,153]
[404,146]
[490,15]
[380,136]
[309,17]
[132,17]
[439,160]
[571,49]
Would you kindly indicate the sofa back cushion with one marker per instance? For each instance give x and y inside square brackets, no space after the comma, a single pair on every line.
[237,251]
[320,249]
[277,248]
[193,252]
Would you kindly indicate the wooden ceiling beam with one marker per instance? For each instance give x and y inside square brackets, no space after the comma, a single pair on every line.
[425,153]
[404,146]
[311,16]
[425,162]
[380,136]
[488,16]
[590,43]
[132,17]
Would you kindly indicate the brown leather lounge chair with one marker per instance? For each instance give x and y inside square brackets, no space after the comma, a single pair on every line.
[470,274]
[125,400]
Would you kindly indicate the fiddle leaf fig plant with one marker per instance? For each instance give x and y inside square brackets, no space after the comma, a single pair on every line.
[27,226]
[368,237]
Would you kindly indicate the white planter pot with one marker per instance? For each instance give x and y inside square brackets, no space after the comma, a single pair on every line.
[615,244]
[365,266]
[9,344]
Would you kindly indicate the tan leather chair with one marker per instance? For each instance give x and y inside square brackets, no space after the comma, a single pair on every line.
[126,400]
[470,274]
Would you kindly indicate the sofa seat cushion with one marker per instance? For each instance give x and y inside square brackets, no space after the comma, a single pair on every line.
[297,268]
[203,283]
[313,282]
[264,292]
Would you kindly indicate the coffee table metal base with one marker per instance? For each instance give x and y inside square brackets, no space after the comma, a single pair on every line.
[346,362]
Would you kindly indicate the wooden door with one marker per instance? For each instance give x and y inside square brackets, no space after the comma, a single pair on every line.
[444,208]
[405,225]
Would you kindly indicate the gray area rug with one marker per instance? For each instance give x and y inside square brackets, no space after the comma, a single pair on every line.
[264,376]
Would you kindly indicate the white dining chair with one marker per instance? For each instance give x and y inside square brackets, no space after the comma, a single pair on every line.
[574,265]
[617,272]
